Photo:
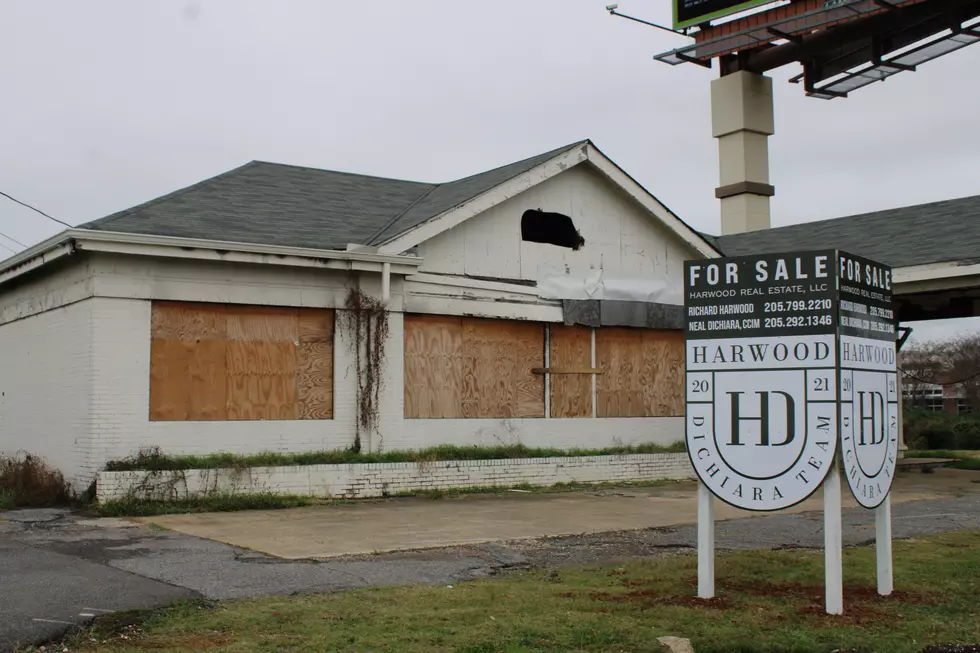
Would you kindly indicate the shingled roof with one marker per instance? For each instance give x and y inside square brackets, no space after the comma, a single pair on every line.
[276,204]
[912,235]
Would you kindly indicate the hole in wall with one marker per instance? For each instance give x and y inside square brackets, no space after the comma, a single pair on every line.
[539,226]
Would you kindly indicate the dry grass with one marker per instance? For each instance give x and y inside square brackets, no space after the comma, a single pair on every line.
[27,481]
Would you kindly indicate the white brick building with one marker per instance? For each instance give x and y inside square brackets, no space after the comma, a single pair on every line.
[99,359]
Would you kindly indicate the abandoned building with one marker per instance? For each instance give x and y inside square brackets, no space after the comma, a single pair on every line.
[534,303]
[281,308]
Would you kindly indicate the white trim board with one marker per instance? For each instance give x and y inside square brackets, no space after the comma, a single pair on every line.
[541,173]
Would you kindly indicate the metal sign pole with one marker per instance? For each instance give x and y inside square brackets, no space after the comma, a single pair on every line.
[883,545]
[706,542]
[833,543]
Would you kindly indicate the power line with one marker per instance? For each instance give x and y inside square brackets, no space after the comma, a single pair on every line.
[12,251]
[14,199]
[12,239]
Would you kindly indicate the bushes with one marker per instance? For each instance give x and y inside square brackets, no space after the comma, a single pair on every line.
[27,481]
[938,430]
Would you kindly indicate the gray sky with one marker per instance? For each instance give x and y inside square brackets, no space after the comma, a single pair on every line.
[108,104]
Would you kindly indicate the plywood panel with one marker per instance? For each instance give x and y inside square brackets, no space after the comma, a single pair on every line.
[215,362]
[314,377]
[263,324]
[571,394]
[665,392]
[643,372]
[433,366]
[187,361]
[498,356]
[187,321]
[261,380]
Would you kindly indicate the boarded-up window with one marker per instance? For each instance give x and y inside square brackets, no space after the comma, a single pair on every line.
[234,362]
[571,353]
[643,372]
[470,367]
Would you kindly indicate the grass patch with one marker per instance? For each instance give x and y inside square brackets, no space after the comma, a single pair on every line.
[214,503]
[155,460]
[27,481]
[964,459]
[447,493]
[769,602]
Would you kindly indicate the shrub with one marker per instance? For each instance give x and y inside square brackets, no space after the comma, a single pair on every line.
[27,481]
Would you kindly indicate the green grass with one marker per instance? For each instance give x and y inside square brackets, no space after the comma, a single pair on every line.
[964,459]
[768,602]
[156,460]
[526,487]
[216,503]
[7,500]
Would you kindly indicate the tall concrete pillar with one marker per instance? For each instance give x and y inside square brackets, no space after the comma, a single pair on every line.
[742,121]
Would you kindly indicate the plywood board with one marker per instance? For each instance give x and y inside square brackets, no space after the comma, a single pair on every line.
[570,348]
[261,380]
[314,376]
[187,361]
[433,366]
[498,356]
[217,362]
[643,372]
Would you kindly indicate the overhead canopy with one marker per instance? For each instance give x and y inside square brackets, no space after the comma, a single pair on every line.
[934,249]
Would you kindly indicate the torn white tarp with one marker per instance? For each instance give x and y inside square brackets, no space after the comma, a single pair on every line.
[597,284]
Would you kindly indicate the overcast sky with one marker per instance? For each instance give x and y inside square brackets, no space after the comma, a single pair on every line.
[108,104]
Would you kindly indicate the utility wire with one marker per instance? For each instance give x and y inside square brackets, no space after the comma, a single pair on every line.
[14,199]
[12,251]
[963,380]
[12,239]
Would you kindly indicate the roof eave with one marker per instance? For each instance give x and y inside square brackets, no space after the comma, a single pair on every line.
[71,240]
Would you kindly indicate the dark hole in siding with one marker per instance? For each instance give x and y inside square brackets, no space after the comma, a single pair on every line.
[539,226]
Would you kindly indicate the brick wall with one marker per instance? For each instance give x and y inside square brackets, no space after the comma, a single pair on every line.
[46,384]
[385,479]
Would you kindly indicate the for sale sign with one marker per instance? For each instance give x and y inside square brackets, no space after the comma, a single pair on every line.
[868,379]
[765,402]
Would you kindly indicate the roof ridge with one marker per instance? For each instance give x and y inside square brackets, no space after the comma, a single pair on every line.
[555,152]
[342,172]
[163,198]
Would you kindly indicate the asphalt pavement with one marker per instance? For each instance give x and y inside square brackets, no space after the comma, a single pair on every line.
[58,570]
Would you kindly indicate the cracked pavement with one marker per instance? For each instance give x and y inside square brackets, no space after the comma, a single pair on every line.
[60,569]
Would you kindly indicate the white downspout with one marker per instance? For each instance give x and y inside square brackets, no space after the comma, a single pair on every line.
[385,282]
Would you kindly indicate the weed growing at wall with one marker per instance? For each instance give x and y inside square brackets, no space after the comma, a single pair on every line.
[155,460]
[365,322]
[137,507]
[26,480]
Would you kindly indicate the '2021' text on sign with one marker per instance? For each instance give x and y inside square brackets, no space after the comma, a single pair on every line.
[789,357]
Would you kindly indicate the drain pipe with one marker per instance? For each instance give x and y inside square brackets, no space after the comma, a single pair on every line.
[385,282]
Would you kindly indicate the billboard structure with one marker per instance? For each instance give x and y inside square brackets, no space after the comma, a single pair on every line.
[696,12]
[790,359]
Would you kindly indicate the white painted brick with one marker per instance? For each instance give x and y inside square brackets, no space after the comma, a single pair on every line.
[353,480]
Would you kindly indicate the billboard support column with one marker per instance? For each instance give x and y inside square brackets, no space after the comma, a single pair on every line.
[742,121]
[706,543]
[883,545]
[833,543]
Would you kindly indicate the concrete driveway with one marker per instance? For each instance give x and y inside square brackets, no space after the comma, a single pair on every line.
[59,569]
[395,525]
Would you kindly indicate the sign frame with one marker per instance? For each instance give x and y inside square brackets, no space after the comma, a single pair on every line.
[729,7]
[863,319]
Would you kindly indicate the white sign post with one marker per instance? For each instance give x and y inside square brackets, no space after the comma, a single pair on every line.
[787,359]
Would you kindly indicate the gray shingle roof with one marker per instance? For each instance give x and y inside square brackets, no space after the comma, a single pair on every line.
[276,204]
[912,235]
